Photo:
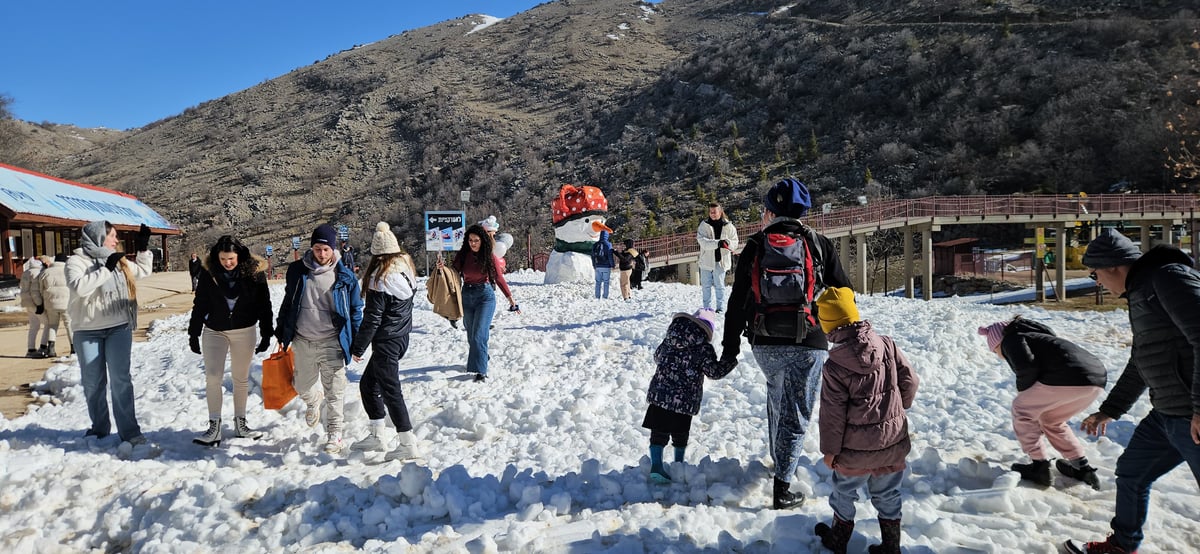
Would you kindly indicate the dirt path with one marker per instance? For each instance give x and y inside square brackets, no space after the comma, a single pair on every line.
[159,295]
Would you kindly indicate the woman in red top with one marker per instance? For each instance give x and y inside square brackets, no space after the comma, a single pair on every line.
[476,264]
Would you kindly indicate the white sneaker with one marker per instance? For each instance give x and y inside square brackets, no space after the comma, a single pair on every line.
[371,443]
[406,449]
[333,443]
[312,414]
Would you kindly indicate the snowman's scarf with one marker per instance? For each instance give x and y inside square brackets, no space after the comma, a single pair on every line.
[583,247]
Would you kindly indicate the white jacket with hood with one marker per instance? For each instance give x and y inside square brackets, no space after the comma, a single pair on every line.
[100,298]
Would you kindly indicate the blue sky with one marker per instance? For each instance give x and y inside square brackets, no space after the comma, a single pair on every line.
[128,63]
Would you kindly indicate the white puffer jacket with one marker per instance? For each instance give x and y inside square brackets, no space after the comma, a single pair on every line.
[29,274]
[99,297]
[51,289]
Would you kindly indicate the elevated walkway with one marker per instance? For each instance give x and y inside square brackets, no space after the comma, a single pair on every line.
[927,215]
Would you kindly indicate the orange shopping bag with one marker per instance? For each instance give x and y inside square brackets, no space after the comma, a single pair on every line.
[277,370]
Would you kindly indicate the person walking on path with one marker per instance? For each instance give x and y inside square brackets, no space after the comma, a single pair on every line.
[319,316]
[625,266]
[194,267]
[386,325]
[232,298]
[476,266]
[1163,290]
[29,274]
[1056,379]
[103,307]
[639,265]
[683,359]
[52,296]
[602,264]
[866,387]
[789,356]
[718,240]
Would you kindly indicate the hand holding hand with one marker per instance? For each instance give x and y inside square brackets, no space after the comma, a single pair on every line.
[1096,423]
[263,344]
[142,242]
[113,260]
[829,460]
[194,344]
[41,309]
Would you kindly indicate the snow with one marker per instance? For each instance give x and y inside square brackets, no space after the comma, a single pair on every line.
[549,456]
[488,21]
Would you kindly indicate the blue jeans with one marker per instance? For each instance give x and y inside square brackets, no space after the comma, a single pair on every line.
[104,355]
[479,303]
[713,279]
[793,380]
[603,276]
[884,489]
[1158,445]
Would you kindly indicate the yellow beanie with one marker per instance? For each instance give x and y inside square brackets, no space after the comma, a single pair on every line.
[836,308]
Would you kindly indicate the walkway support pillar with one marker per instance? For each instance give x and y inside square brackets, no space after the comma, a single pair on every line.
[1144,233]
[844,252]
[907,234]
[927,263]
[1060,261]
[861,281]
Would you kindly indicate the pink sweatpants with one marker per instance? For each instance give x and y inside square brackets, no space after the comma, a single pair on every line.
[1044,410]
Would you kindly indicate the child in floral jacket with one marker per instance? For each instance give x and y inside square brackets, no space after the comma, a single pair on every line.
[684,358]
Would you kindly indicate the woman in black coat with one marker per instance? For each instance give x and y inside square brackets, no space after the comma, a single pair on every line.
[1056,379]
[231,298]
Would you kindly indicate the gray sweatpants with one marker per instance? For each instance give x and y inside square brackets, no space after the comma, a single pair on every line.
[321,359]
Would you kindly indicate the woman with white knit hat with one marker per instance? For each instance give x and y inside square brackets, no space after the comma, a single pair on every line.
[388,286]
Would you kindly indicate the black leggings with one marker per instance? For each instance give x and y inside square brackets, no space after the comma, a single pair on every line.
[659,438]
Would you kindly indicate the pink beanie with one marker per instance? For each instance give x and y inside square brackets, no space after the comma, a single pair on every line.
[994,334]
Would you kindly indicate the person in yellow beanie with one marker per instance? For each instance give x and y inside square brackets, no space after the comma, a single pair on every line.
[866,387]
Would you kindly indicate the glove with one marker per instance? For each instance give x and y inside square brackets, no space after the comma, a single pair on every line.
[194,344]
[113,260]
[40,310]
[723,244]
[263,344]
[142,242]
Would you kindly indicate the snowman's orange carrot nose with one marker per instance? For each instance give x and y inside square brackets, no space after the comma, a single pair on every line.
[598,226]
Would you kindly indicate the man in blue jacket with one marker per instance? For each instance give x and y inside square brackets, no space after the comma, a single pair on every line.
[320,314]
[1163,290]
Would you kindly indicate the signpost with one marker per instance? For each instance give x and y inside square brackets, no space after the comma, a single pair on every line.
[296,248]
[444,232]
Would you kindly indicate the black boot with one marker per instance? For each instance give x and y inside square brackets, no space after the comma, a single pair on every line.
[50,353]
[32,353]
[1036,472]
[1084,472]
[890,530]
[784,498]
[837,537]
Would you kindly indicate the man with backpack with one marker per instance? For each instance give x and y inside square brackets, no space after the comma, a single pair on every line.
[602,264]
[781,271]
[718,240]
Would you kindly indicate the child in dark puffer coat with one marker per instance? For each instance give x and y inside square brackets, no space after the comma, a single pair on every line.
[684,358]
[866,387]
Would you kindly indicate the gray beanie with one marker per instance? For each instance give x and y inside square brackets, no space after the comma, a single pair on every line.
[1110,249]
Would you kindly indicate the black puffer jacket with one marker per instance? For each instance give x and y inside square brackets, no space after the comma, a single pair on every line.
[1164,314]
[385,316]
[1037,355]
[210,307]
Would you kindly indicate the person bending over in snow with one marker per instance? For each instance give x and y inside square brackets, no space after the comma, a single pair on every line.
[1056,379]
[683,358]
[866,386]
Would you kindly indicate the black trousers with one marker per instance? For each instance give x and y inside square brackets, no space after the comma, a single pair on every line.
[380,384]
[635,280]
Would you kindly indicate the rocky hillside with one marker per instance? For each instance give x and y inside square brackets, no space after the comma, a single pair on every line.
[666,105]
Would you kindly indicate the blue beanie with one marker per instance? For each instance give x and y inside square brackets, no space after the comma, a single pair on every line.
[324,234]
[788,198]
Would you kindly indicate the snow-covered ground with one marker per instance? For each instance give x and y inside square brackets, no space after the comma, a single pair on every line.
[548,455]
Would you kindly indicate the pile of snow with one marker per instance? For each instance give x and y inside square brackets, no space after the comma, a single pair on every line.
[549,454]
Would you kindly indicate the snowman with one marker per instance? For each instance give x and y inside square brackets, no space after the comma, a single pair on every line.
[578,215]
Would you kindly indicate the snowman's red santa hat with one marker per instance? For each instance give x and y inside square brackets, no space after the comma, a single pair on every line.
[577,202]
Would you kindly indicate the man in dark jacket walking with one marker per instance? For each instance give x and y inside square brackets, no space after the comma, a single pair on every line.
[792,369]
[194,266]
[1163,290]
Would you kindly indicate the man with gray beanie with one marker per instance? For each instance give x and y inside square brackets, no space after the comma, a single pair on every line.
[320,314]
[1163,290]
[786,340]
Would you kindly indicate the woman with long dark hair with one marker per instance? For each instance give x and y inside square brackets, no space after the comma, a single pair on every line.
[476,264]
[231,297]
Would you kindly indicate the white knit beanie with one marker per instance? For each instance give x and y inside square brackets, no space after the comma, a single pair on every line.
[384,241]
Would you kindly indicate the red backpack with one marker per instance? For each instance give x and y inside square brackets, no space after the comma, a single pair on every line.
[787,276]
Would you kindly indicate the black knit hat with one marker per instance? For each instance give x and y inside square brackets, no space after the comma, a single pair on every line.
[1110,249]
[324,234]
